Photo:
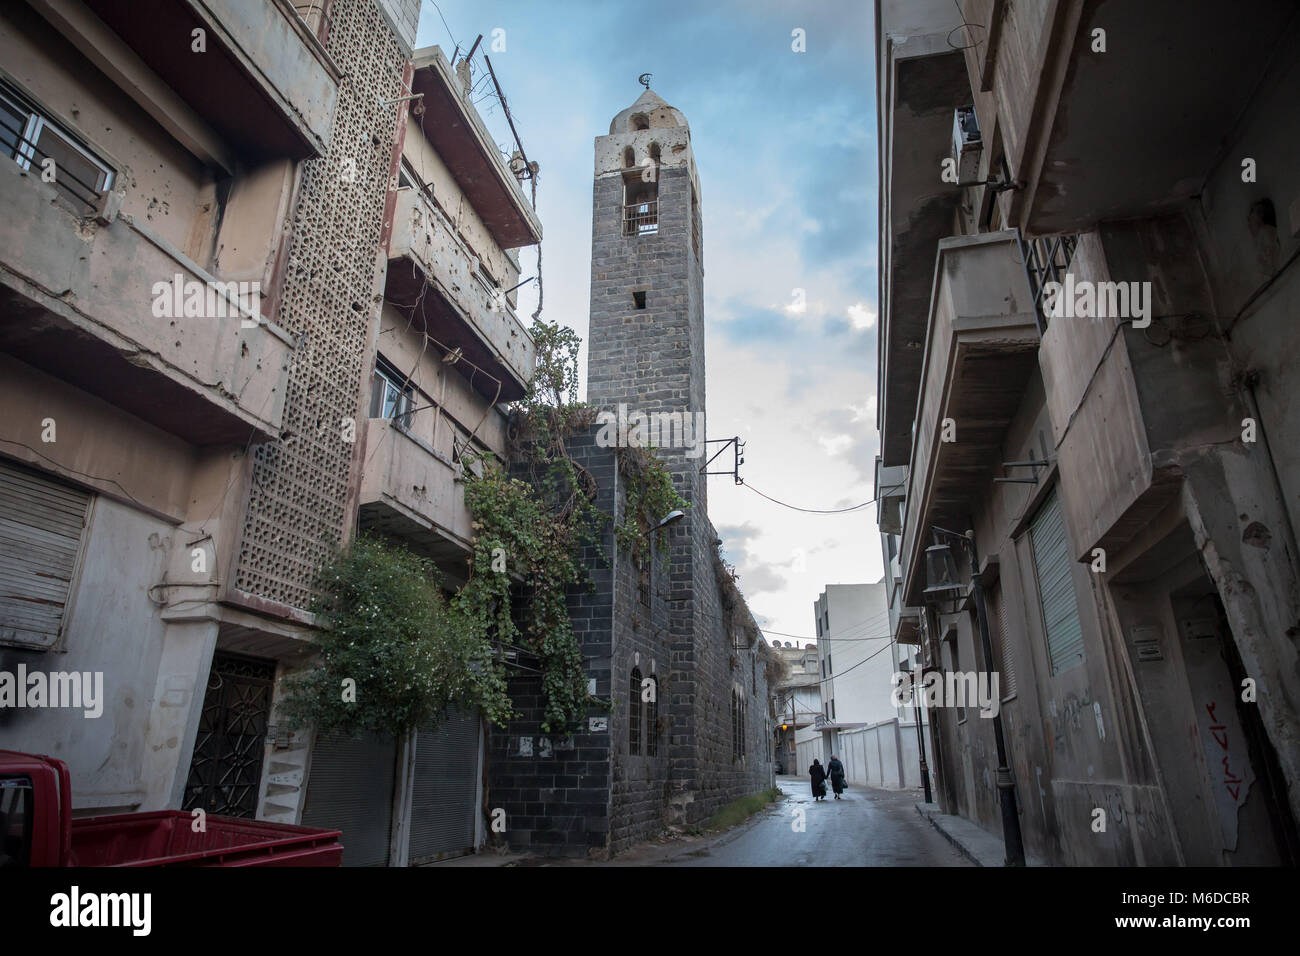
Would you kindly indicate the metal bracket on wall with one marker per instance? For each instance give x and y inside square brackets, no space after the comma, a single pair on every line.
[1033,480]
[738,446]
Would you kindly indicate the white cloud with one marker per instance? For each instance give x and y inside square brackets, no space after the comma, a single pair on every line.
[862,316]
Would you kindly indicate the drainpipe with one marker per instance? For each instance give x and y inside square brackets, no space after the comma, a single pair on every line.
[1011,839]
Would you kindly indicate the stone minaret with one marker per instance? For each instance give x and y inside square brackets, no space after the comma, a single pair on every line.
[646,350]
[646,339]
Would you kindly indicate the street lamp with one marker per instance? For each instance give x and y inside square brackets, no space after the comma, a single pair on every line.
[906,667]
[943,583]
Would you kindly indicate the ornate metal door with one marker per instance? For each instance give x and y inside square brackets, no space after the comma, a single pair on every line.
[226,771]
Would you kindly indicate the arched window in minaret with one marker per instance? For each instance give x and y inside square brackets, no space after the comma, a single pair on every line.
[629,158]
[641,200]
[654,153]
[638,121]
[634,713]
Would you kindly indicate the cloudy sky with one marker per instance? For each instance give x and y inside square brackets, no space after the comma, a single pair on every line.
[785,143]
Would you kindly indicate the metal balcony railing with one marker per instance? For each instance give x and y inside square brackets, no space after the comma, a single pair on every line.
[27,154]
[1046,260]
[641,218]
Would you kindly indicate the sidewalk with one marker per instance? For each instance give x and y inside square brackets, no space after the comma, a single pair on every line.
[977,844]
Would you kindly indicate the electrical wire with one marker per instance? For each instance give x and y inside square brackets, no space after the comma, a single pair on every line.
[818,511]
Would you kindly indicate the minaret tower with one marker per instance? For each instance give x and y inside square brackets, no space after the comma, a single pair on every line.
[646,339]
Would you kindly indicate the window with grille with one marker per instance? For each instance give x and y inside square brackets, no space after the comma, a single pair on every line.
[31,139]
[391,395]
[1056,597]
[634,713]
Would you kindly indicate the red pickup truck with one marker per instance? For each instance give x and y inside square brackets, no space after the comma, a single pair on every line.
[37,829]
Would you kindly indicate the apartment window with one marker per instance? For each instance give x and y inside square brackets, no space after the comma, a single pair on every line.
[391,395]
[1056,586]
[634,713]
[829,668]
[832,708]
[819,625]
[30,137]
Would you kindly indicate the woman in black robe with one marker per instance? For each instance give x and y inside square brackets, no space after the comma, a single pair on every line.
[818,774]
[835,770]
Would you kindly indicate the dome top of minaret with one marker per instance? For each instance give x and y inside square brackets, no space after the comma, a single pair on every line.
[648,112]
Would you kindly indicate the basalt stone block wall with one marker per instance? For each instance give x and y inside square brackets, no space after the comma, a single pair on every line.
[555,789]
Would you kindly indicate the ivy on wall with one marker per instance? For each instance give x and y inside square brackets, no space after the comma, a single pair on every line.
[410,652]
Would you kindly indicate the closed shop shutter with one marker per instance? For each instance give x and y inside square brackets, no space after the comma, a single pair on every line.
[41,524]
[1056,586]
[351,789]
[1006,664]
[444,799]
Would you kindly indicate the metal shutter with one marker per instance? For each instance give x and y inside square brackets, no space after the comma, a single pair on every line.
[445,794]
[1056,586]
[41,523]
[351,789]
[1006,663]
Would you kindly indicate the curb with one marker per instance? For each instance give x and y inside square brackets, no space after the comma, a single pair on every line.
[947,835]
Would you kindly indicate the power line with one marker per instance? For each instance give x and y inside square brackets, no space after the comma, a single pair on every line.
[819,511]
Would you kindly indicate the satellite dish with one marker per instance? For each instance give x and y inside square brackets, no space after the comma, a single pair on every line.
[644,79]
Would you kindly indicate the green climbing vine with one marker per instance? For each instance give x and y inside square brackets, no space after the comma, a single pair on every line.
[393,652]
[538,530]
[650,497]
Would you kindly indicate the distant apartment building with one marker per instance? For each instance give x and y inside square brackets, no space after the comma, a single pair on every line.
[254,294]
[857,720]
[1089,224]
[796,700]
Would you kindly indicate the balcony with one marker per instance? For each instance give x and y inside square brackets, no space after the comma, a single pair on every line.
[457,134]
[431,270]
[264,84]
[891,492]
[979,355]
[1134,131]
[77,301]
[410,490]
[922,80]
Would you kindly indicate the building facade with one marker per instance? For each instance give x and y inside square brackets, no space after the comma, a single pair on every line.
[225,330]
[1084,360]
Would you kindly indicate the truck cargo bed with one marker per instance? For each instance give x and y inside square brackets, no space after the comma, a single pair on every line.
[167,838]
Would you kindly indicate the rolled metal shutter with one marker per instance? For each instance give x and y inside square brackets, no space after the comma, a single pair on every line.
[351,789]
[1056,586]
[444,798]
[41,523]
[1006,663]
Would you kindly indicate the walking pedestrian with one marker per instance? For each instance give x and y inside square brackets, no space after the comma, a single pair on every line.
[835,770]
[818,774]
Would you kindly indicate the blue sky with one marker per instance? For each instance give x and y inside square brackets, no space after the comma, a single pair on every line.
[785,144]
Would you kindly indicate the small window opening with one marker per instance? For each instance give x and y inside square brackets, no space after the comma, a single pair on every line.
[639,299]
[640,121]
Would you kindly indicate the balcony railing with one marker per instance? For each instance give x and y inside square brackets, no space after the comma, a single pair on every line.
[1046,260]
[641,218]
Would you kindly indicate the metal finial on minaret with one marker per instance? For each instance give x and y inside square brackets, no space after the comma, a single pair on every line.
[644,79]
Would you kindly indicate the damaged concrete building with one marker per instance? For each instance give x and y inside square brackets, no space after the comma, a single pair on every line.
[170,475]
[680,626]
[1089,225]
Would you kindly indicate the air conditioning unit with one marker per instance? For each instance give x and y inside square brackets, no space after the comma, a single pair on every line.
[966,143]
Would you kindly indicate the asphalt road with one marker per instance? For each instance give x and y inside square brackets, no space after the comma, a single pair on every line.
[864,828]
